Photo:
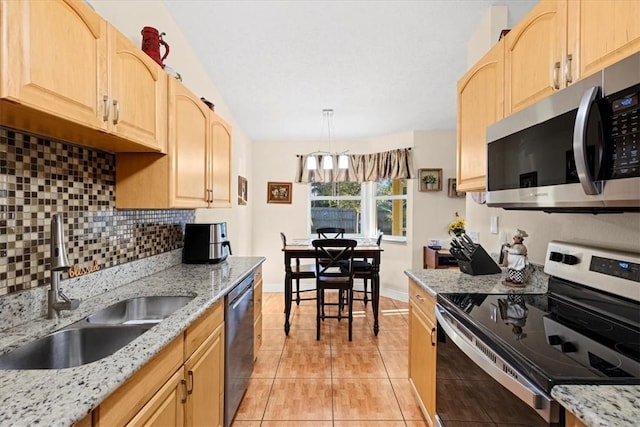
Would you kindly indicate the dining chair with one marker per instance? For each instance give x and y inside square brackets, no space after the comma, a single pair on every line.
[330,232]
[334,272]
[299,272]
[363,269]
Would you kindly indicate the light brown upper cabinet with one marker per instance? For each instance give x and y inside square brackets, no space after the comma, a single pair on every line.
[65,74]
[480,96]
[220,165]
[535,56]
[137,96]
[189,176]
[562,41]
[55,58]
[602,32]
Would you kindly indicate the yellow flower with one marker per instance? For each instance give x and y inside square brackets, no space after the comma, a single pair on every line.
[457,227]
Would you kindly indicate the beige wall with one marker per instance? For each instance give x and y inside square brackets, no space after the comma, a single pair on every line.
[129,18]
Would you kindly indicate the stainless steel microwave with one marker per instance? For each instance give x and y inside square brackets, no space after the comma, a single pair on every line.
[575,151]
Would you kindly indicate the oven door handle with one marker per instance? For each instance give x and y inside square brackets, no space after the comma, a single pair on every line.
[522,388]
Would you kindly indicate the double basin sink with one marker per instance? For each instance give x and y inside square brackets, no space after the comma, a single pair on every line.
[96,336]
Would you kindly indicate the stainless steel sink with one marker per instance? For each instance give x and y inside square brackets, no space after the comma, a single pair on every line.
[98,335]
[140,310]
[71,347]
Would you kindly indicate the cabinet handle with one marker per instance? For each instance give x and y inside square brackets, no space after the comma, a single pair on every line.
[116,116]
[567,70]
[433,333]
[419,297]
[556,72]
[183,382]
[190,376]
[105,116]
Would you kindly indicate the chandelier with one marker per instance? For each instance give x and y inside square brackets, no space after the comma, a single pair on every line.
[327,156]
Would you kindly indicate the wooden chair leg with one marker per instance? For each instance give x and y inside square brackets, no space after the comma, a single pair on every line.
[350,297]
[319,302]
[297,291]
[366,286]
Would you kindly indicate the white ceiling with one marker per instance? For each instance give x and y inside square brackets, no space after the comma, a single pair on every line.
[383,66]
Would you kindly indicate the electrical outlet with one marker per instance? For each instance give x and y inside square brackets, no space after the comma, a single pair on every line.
[493,224]
[475,236]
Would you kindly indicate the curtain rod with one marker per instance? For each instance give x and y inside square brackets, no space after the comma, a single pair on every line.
[408,149]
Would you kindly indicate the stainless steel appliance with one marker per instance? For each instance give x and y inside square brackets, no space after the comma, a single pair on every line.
[499,355]
[575,151]
[238,351]
[205,243]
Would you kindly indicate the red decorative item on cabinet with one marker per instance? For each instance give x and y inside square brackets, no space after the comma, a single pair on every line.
[151,41]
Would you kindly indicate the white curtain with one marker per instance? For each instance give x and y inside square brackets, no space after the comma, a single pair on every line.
[394,164]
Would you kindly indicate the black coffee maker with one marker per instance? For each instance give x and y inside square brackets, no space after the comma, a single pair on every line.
[205,243]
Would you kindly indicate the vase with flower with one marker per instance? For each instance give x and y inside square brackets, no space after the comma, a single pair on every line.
[456,228]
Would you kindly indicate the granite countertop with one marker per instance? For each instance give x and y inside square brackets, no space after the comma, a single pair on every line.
[594,405]
[61,397]
[454,281]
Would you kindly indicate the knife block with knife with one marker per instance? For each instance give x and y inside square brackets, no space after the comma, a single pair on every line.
[472,258]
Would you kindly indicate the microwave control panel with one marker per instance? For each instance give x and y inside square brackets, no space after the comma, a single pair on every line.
[625,133]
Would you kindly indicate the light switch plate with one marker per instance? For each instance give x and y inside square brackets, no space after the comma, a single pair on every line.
[493,224]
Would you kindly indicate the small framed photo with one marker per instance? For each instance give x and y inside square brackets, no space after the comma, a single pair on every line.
[452,189]
[242,190]
[279,192]
[430,179]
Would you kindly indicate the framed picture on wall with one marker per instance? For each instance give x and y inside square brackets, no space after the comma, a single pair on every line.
[430,179]
[452,189]
[279,192]
[242,190]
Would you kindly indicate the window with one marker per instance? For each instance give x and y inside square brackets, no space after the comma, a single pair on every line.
[391,207]
[337,204]
[361,209]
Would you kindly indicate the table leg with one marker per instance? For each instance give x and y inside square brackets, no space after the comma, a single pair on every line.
[287,295]
[375,295]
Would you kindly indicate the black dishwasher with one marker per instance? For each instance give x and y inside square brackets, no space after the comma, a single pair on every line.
[238,351]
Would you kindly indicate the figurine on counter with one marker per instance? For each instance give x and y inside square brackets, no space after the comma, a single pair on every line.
[517,262]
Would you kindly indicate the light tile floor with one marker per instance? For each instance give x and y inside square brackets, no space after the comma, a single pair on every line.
[300,382]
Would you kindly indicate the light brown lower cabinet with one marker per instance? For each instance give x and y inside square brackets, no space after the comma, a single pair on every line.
[573,421]
[422,349]
[183,385]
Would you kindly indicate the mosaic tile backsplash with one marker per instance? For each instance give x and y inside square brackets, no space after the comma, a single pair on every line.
[40,177]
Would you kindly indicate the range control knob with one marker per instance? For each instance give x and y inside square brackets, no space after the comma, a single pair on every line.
[568,347]
[564,258]
[555,256]
[555,340]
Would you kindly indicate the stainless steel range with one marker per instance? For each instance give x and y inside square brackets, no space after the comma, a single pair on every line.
[499,355]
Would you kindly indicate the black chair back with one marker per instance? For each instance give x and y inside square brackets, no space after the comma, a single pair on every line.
[330,232]
[334,259]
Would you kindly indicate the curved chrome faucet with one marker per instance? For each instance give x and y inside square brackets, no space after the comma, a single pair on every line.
[59,263]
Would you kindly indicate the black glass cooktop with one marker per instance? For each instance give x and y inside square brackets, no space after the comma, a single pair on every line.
[570,335]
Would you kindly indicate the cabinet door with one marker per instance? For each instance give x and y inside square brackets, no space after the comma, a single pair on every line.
[220,167]
[204,372]
[189,134]
[602,32]
[54,53]
[480,103]
[422,359]
[137,94]
[535,56]
[165,408]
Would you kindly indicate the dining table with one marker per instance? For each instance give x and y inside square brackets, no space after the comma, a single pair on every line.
[303,248]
